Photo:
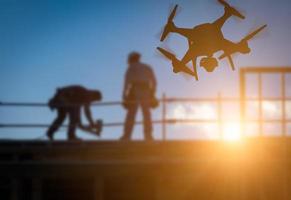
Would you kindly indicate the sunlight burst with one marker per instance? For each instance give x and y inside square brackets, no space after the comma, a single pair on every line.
[231,131]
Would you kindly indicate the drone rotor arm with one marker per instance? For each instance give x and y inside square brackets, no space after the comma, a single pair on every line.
[254,33]
[167,54]
[224,3]
[245,39]
[173,13]
[235,12]
[167,28]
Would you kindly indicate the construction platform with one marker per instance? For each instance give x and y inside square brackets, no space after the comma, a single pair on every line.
[179,170]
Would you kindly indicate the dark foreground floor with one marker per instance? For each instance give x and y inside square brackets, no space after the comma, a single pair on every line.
[253,169]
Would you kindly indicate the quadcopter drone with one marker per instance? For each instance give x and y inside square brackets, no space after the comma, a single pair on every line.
[205,40]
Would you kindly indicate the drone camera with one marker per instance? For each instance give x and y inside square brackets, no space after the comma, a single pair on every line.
[209,63]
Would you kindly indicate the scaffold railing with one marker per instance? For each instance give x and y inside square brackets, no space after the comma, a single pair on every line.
[164,120]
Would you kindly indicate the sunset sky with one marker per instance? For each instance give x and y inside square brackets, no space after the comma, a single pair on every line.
[52,43]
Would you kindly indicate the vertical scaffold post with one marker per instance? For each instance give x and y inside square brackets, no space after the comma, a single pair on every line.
[219,116]
[261,117]
[283,96]
[284,134]
[164,113]
[242,100]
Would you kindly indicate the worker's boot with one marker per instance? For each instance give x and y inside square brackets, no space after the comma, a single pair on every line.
[75,139]
[124,138]
[50,136]
[148,137]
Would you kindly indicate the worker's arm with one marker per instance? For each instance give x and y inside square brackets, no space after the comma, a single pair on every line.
[126,84]
[153,81]
[92,128]
[88,114]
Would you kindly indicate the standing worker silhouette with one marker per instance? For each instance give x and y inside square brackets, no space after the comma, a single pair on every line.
[139,91]
[68,101]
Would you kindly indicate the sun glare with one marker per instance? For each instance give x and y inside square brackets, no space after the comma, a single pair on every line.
[231,131]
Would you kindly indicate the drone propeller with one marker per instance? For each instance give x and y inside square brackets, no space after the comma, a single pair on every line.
[234,11]
[170,19]
[257,22]
[167,54]
[187,77]
[178,66]
[245,39]
[252,34]
[173,13]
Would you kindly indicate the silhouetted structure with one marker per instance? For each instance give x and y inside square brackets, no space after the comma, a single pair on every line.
[68,102]
[139,90]
[172,170]
[251,169]
[205,40]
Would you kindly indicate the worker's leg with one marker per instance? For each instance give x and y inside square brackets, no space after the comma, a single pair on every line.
[74,120]
[61,115]
[129,121]
[147,121]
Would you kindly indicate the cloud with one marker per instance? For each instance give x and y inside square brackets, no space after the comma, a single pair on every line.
[191,111]
[200,111]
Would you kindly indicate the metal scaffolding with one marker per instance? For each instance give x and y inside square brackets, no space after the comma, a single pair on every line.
[218,103]
[260,71]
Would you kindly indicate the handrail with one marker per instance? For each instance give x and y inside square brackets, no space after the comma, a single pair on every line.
[164,121]
[118,124]
[166,100]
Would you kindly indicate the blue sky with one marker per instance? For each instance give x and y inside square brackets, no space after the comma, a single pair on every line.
[46,44]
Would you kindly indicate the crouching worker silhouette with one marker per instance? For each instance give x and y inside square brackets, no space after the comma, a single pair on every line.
[139,91]
[68,101]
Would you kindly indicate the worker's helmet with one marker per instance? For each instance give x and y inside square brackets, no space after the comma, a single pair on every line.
[133,57]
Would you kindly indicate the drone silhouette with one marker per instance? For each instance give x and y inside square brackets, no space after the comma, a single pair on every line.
[205,40]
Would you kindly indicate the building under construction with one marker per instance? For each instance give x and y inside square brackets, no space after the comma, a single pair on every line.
[249,169]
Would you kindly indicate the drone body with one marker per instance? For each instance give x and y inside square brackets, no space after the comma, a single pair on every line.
[204,41]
